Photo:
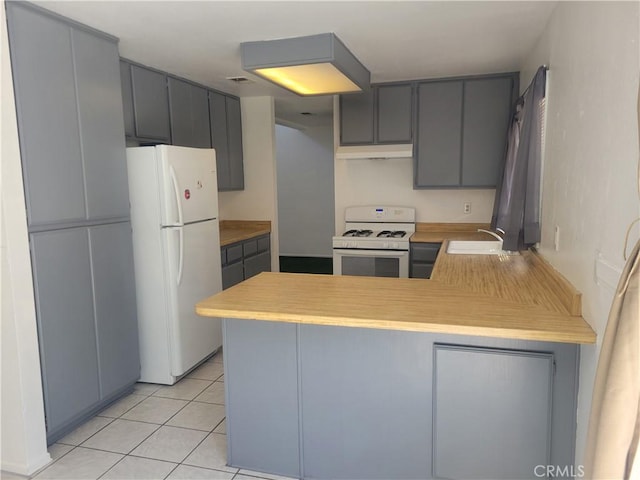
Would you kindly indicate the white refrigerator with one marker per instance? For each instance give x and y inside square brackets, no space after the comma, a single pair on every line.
[176,246]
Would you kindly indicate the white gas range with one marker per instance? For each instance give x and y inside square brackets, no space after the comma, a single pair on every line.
[375,241]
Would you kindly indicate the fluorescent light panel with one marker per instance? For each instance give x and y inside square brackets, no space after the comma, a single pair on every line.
[314,79]
[312,65]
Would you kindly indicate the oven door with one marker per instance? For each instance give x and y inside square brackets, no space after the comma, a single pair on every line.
[372,263]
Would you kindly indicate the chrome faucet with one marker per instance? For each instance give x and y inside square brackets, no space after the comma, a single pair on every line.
[493,234]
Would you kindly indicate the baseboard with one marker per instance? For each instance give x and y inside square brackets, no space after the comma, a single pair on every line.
[26,470]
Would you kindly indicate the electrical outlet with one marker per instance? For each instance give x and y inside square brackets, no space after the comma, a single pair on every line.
[467,207]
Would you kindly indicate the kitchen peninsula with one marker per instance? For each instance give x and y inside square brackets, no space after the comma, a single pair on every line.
[472,374]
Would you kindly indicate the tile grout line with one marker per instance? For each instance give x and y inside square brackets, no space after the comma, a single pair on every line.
[112,420]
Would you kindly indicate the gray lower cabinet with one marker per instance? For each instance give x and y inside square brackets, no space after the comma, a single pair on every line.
[422,257]
[266,425]
[462,131]
[146,103]
[70,124]
[189,108]
[384,114]
[87,326]
[491,404]
[226,138]
[245,259]
[386,404]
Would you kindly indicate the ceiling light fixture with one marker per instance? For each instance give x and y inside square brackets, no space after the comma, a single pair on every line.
[312,65]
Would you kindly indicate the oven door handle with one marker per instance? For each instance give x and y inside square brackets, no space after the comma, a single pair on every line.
[370,253]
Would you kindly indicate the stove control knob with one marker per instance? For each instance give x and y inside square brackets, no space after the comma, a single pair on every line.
[394,245]
[385,244]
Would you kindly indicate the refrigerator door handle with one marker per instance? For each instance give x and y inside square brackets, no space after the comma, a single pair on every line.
[180,254]
[176,191]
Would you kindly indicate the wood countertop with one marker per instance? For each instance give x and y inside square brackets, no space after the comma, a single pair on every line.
[439,232]
[232,231]
[518,297]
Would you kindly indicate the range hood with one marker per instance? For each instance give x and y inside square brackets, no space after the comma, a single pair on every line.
[401,150]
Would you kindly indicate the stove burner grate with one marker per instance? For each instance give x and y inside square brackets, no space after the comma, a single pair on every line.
[357,233]
[392,234]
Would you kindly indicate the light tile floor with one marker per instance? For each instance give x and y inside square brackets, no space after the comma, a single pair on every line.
[157,432]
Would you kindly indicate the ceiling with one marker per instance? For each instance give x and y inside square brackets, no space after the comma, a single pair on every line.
[395,40]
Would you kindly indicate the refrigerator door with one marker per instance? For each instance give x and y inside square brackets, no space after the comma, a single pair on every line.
[193,273]
[189,186]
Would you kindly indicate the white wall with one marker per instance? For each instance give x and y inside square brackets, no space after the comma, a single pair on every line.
[390,182]
[305,190]
[24,448]
[591,159]
[258,200]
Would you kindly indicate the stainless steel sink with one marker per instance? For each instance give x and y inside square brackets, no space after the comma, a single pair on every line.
[475,247]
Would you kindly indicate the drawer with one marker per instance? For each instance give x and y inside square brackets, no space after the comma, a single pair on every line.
[234,253]
[232,274]
[223,256]
[421,270]
[250,247]
[256,264]
[264,243]
[425,252]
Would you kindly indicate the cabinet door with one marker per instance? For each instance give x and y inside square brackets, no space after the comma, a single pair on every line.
[356,118]
[491,411]
[189,114]
[49,130]
[101,125]
[218,123]
[234,132]
[127,99]
[115,306]
[439,134]
[394,114]
[262,406]
[365,395]
[487,109]
[232,275]
[257,264]
[66,329]
[151,103]
[180,112]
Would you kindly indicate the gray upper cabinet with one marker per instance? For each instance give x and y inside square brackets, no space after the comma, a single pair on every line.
[150,104]
[462,131]
[226,138]
[127,99]
[234,131]
[48,124]
[487,109]
[356,118]
[189,110]
[394,113]
[100,109]
[70,120]
[381,115]
[439,134]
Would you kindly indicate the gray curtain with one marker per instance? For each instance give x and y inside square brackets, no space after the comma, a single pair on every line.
[517,205]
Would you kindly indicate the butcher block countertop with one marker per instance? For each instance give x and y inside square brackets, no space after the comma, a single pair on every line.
[517,297]
[439,232]
[232,231]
